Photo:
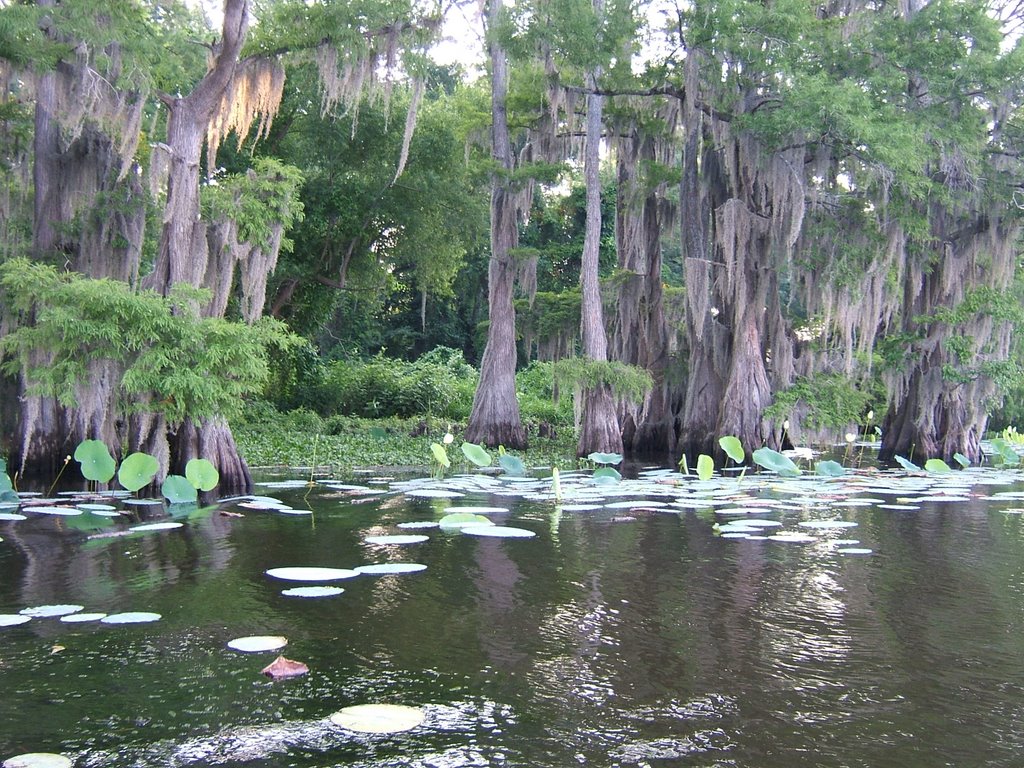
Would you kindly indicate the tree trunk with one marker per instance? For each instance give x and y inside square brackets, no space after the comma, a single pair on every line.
[495,419]
[599,428]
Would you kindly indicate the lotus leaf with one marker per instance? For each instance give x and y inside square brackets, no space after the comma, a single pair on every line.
[178,490]
[378,718]
[440,455]
[733,448]
[97,463]
[461,519]
[937,466]
[202,474]
[962,460]
[605,458]
[512,465]
[258,643]
[611,472]
[906,464]
[476,454]
[705,467]
[776,462]
[137,471]
[829,469]
[37,760]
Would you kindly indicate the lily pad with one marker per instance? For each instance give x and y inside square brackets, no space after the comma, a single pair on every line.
[440,455]
[80,618]
[130,617]
[202,474]
[498,531]
[906,464]
[512,465]
[281,668]
[312,591]
[137,471]
[378,718]
[829,469]
[155,527]
[303,573]
[599,457]
[776,462]
[258,643]
[477,454]
[13,619]
[386,569]
[938,466]
[826,525]
[397,539]
[48,611]
[602,472]
[55,510]
[733,448]
[11,516]
[418,524]
[854,551]
[463,519]
[705,467]
[178,490]
[96,462]
[37,760]
[962,460]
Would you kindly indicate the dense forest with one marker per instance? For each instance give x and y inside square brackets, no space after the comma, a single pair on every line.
[769,219]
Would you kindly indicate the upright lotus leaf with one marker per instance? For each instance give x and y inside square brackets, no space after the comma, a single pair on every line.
[733,448]
[202,474]
[440,455]
[962,460]
[906,464]
[512,465]
[776,462]
[937,466]
[3,465]
[705,467]
[829,469]
[611,472]
[1005,454]
[476,454]
[178,490]
[605,458]
[97,463]
[137,471]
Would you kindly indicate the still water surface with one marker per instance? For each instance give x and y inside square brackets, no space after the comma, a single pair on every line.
[614,637]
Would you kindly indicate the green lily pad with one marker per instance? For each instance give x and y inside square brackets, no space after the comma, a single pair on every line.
[906,464]
[96,462]
[512,465]
[130,617]
[202,474]
[386,569]
[829,469]
[396,539]
[962,460]
[166,526]
[37,760]
[938,466]
[178,490]
[477,454]
[462,519]
[312,591]
[705,467]
[311,573]
[81,618]
[440,455]
[776,462]
[258,643]
[498,531]
[611,472]
[378,718]
[605,458]
[733,448]
[137,471]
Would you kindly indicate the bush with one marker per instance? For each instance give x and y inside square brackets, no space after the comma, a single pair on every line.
[535,386]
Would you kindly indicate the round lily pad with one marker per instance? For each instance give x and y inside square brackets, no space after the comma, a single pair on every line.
[46,611]
[854,551]
[498,531]
[12,516]
[258,643]
[462,520]
[54,510]
[37,760]
[13,619]
[130,617]
[94,507]
[312,591]
[78,618]
[826,525]
[407,539]
[378,718]
[302,573]
[418,524]
[382,569]
[434,493]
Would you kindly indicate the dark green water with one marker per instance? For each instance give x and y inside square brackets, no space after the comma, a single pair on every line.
[600,642]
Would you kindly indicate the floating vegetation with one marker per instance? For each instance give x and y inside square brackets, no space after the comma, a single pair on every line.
[462,520]
[312,591]
[13,619]
[311,573]
[281,668]
[54,510]
[383,569]
[130,617]
[37,760]
[49,611]
[258,643]
[498,531]
[854,551]
[80,618]
[378,718]
[418,524]
[396,539]
[155,527]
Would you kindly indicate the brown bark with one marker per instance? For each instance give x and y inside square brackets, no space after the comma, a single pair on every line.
[495,418]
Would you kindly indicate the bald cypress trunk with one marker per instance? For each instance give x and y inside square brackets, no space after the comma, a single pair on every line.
[495,419]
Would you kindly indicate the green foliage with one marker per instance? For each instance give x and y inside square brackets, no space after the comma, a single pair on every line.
[937,466]
[202,474]
[1003,453]
[440,457]
[607,472]
[540,400]
[627,382]
[705,467]
[137,471]
[829,469]
[906,464]
[733,448]
[178,490]
[776,462]
[605,458]
[96,462]
[477,454]
[832,401]
[512,465]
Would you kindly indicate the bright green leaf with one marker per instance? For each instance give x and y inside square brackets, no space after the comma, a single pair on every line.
[178,490]
[512,465]
[137,471]
[937,465]
[202,474]
[962,460]
[705,467]
[97,463]
[611,472]
[733,448]
[776,462]
[477,454]
[829,469]
[440,455]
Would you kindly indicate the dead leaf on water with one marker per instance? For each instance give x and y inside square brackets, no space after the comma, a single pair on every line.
[281,668]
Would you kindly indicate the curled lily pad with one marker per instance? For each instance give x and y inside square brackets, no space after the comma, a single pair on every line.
[776,462]
[312,591]
[303,573]
[47,611]
[512,465]
[477,454]
[258,643]
[178,490]
[378,718]
[733,448]
[130,617]
[605,458]
[37,760]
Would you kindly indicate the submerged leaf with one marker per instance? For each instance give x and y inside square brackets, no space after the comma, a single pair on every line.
[462,519]
[281,668]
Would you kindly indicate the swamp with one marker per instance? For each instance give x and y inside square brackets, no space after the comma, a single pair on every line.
[872,619]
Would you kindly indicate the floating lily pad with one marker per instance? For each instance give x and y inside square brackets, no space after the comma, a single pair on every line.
[289,511]
[463,519]
[384,569]
[829,469]
[312,591]
[827,524]
[258,643]
[378,718]
[54,510]
[854,551]
[776,462]
[12,516]
[434,493]
[47,611]
[418,524]
[92,507]
[498,531]
[397,539]
[130,617]
[311,573]
[80,618]
[155,527]
[37,760]
[512,465]
[13,619]
[795,538]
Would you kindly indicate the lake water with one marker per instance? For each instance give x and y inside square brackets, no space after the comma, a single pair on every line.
[626,632]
